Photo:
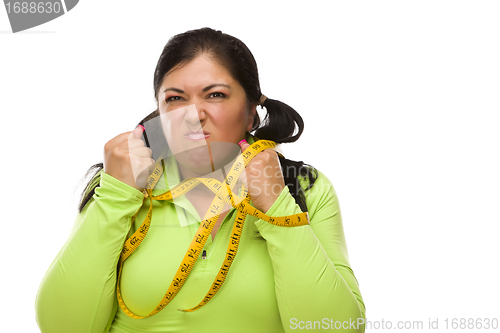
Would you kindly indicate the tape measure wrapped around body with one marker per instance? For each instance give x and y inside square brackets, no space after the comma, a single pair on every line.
[223,194]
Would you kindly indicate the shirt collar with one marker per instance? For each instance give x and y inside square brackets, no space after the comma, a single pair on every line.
[171,177]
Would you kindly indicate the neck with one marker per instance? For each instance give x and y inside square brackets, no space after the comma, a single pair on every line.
[201,190]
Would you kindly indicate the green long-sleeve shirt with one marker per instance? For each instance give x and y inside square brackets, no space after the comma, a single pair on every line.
[283,279]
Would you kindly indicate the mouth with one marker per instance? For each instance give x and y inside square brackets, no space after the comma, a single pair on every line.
[196,135]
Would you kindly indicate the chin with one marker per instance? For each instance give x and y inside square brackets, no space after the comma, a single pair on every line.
[195,159]
[205,159]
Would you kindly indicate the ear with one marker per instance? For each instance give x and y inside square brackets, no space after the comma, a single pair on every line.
[252,111]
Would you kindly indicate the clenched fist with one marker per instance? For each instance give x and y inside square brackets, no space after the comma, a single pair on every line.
[264,178]
[127,159]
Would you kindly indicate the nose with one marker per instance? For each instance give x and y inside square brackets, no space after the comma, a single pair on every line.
[194,114]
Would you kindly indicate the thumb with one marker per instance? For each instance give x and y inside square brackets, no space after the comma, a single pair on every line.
[137,132]
[244,145]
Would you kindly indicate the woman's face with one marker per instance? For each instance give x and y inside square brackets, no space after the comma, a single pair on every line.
[202,107]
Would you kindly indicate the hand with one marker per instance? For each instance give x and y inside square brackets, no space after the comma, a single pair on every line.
[264,178]
[127,159]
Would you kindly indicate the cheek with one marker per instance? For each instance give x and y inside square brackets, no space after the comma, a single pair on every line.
[235,119]
[232,128]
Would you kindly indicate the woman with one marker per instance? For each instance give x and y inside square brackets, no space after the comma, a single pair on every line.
[283,278]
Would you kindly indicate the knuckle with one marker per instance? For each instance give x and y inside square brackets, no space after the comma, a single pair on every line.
[118,150]
[112,144]
[109,146]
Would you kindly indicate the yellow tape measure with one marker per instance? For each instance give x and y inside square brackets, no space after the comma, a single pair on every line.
[223,194]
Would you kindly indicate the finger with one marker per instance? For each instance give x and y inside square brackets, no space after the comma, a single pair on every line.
[135,143]
[142,177]
[134,138]
[148,165]
[142,152]
[141,169]
[244,145]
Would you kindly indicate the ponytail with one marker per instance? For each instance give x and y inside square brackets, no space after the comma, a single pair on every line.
[279,125]
[95,170]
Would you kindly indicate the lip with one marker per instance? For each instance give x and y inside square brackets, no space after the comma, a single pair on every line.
[196,135]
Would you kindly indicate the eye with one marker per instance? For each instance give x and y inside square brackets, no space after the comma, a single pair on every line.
[173,98]
[217,95]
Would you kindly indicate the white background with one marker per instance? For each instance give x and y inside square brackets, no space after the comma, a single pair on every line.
[400,101]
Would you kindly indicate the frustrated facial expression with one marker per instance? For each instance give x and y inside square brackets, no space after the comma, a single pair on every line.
[202,106]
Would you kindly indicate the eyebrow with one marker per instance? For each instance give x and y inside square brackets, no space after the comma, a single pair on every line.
[207,88]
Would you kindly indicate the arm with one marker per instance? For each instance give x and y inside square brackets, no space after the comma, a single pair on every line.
[311,267]
[77,294]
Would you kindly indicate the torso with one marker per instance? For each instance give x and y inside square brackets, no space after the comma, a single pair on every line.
[218,223]
[247,300]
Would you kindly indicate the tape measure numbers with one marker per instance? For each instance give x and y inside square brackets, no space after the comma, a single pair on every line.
[223,194]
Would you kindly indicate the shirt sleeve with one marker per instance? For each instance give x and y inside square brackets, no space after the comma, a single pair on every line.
[77,293]
[315,285]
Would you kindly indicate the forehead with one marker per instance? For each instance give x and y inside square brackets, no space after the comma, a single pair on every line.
[201,70]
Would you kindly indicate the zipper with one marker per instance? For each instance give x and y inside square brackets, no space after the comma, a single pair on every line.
[222,226]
